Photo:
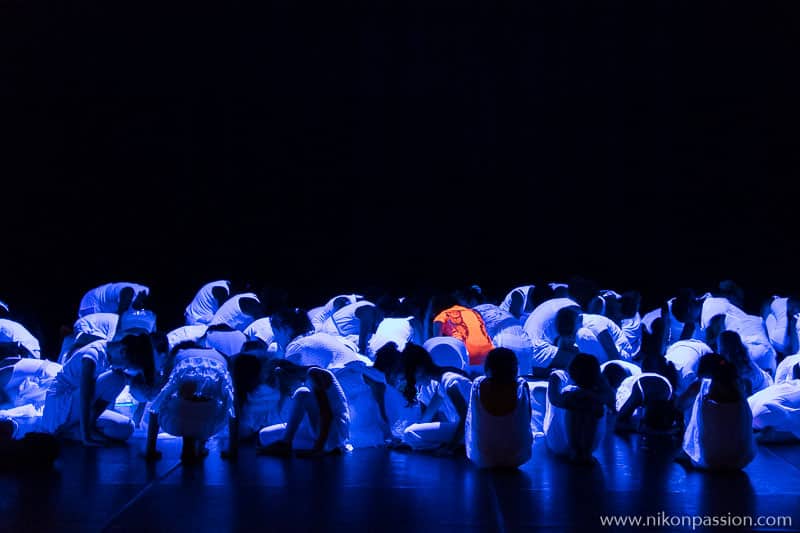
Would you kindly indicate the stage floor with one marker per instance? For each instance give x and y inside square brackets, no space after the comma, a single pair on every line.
[113,489]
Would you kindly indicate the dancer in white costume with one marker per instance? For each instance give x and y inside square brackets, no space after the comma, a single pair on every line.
[225,331]
[541,330]
[206,302]
[16,340]
[75,406]
[776,410]
[498,425]
[719,435]
[720,314]
[89,328]
[754,379]
[195,402]
[113,298]
[23,389]
[780,319]
[317,422]
[319,315]
[577,401]
[449,402]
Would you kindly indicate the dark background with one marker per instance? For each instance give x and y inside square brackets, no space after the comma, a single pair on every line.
[646,145]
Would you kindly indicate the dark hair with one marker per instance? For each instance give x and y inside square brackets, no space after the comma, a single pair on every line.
[660,414]
[717,368]
[502,363]
[387,358]
[567,320]
[295,319]
[615,374]
[629,303]
[734,350]
[282,374]
[246,371]
[681,304]
[139,352]
[584,370]
[541,293]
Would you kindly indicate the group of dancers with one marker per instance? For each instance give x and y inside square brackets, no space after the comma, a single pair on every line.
[451,374]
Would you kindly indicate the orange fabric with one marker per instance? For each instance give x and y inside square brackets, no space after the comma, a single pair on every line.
[467,325]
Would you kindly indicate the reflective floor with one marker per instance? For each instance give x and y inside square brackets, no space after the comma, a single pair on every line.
[377,490]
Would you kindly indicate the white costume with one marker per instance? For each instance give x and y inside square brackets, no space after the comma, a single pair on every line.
[632,328]
[750,328]
[323,350]
[777,408]
[719,435]
[541,329]
[87,329]
[319,315]
[775,323]
[495,319]
[105,298]
[308,431]
[197,399]
[504,441]
[62,409]
[515,339]
[204,305]
[431,435]
[597,324]
[15,333]
[396,330]
[186,334]
[785,369]
[685,355]
[557,421]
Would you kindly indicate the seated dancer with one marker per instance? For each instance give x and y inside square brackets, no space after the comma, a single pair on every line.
[225,330]
[719,314]
[497,430]
[317,421]
[577,400]
[719,435]
[113,298]
[552,348]
[754,379]
[75,406]
[776,410]
[441,426]
[780,319]
[17,341]
[610,336]
[206,302]
[88,328]
[195,402]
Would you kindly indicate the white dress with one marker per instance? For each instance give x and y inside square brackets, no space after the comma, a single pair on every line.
[197,399]
[719,435]
[498,441]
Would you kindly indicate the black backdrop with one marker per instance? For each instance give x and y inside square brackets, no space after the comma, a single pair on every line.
[320,147]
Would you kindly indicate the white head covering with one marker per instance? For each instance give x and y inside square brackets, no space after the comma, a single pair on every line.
[447,351]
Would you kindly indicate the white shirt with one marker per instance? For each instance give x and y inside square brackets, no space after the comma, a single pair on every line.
[15,332]
[541,329]
[231,314]
[105,298]
[204,305]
